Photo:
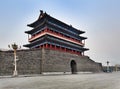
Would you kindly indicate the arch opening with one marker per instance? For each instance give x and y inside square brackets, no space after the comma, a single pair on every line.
[73,67]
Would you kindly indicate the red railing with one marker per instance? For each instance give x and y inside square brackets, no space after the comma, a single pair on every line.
[56,34]
[58,48]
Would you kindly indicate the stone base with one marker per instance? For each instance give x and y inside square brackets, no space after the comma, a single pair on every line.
[45,60]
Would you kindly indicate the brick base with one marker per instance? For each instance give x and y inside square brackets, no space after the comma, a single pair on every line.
[45,60]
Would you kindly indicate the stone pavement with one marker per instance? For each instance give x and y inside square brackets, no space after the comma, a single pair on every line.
[60,81]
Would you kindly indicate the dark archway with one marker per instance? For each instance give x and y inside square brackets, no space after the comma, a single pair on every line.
[73,67]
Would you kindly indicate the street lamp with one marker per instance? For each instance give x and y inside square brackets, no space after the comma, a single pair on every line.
[14,47]
[108,66]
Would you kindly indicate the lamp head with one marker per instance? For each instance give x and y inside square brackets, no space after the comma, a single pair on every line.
[14,46]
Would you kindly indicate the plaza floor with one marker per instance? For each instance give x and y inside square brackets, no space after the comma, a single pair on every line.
[77,81]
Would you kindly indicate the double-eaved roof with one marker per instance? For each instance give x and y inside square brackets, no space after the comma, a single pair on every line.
[45,18]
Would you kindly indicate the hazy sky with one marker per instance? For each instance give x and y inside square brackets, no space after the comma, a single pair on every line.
[99,18]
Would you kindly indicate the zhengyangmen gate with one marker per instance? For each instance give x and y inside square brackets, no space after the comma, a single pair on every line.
[53,46]
[53,34]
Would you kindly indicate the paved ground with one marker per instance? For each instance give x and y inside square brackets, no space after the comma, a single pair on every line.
[79,81]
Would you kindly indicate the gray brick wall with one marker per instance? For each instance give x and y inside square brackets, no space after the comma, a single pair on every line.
[35,61]
[59,61]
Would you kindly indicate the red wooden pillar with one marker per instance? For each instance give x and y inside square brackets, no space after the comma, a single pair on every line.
[60,48]
[46,45]
[75,51]
[55,47]
[65,49]
[50,46]
[72,51]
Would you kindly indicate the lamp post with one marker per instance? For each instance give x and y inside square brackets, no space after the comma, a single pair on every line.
[15,47]
[108,66]
[116,67]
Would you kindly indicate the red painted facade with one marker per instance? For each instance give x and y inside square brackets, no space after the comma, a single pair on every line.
[59,35]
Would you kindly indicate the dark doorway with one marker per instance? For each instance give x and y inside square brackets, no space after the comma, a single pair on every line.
[73,67]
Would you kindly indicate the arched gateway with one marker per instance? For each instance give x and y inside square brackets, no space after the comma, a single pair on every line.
[73,67]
